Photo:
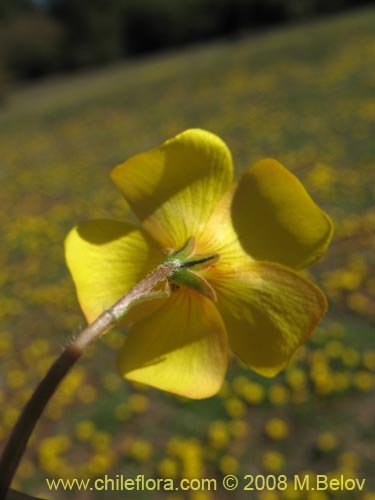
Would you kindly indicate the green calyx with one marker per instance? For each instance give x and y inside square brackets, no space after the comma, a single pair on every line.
[186,274]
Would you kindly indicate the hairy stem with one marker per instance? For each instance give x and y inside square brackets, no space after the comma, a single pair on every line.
[30,415]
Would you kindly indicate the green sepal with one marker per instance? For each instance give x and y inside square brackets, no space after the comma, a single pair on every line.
[188,264]
[199,262]
[184,252]
[193,280]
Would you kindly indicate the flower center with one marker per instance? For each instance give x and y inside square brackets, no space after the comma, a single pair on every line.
[189,266]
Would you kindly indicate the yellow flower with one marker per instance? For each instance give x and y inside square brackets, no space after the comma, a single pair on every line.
[276,428]
[237,243]
[273,461]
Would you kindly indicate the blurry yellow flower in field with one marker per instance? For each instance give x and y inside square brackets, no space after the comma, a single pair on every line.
[141,450]
[327,441]
[235,407]
[168,468]
[273,461]
[253,393]
[237,244]
[228,464]
[276,428]
[218,434]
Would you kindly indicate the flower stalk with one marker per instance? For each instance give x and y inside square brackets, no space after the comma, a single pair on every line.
[15,447]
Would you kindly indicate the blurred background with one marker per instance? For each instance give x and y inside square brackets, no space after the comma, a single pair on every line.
[40,37]
[86,84]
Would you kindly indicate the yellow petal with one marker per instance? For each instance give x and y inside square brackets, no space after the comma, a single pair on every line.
[269,311]
[276,219]
[173,189]
[219,237]
[106,258]
[182,348]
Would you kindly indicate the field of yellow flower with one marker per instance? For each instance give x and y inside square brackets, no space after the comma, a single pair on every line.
[301,95]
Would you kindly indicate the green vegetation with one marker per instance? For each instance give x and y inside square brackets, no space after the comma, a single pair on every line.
[39,37]
[302,95]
